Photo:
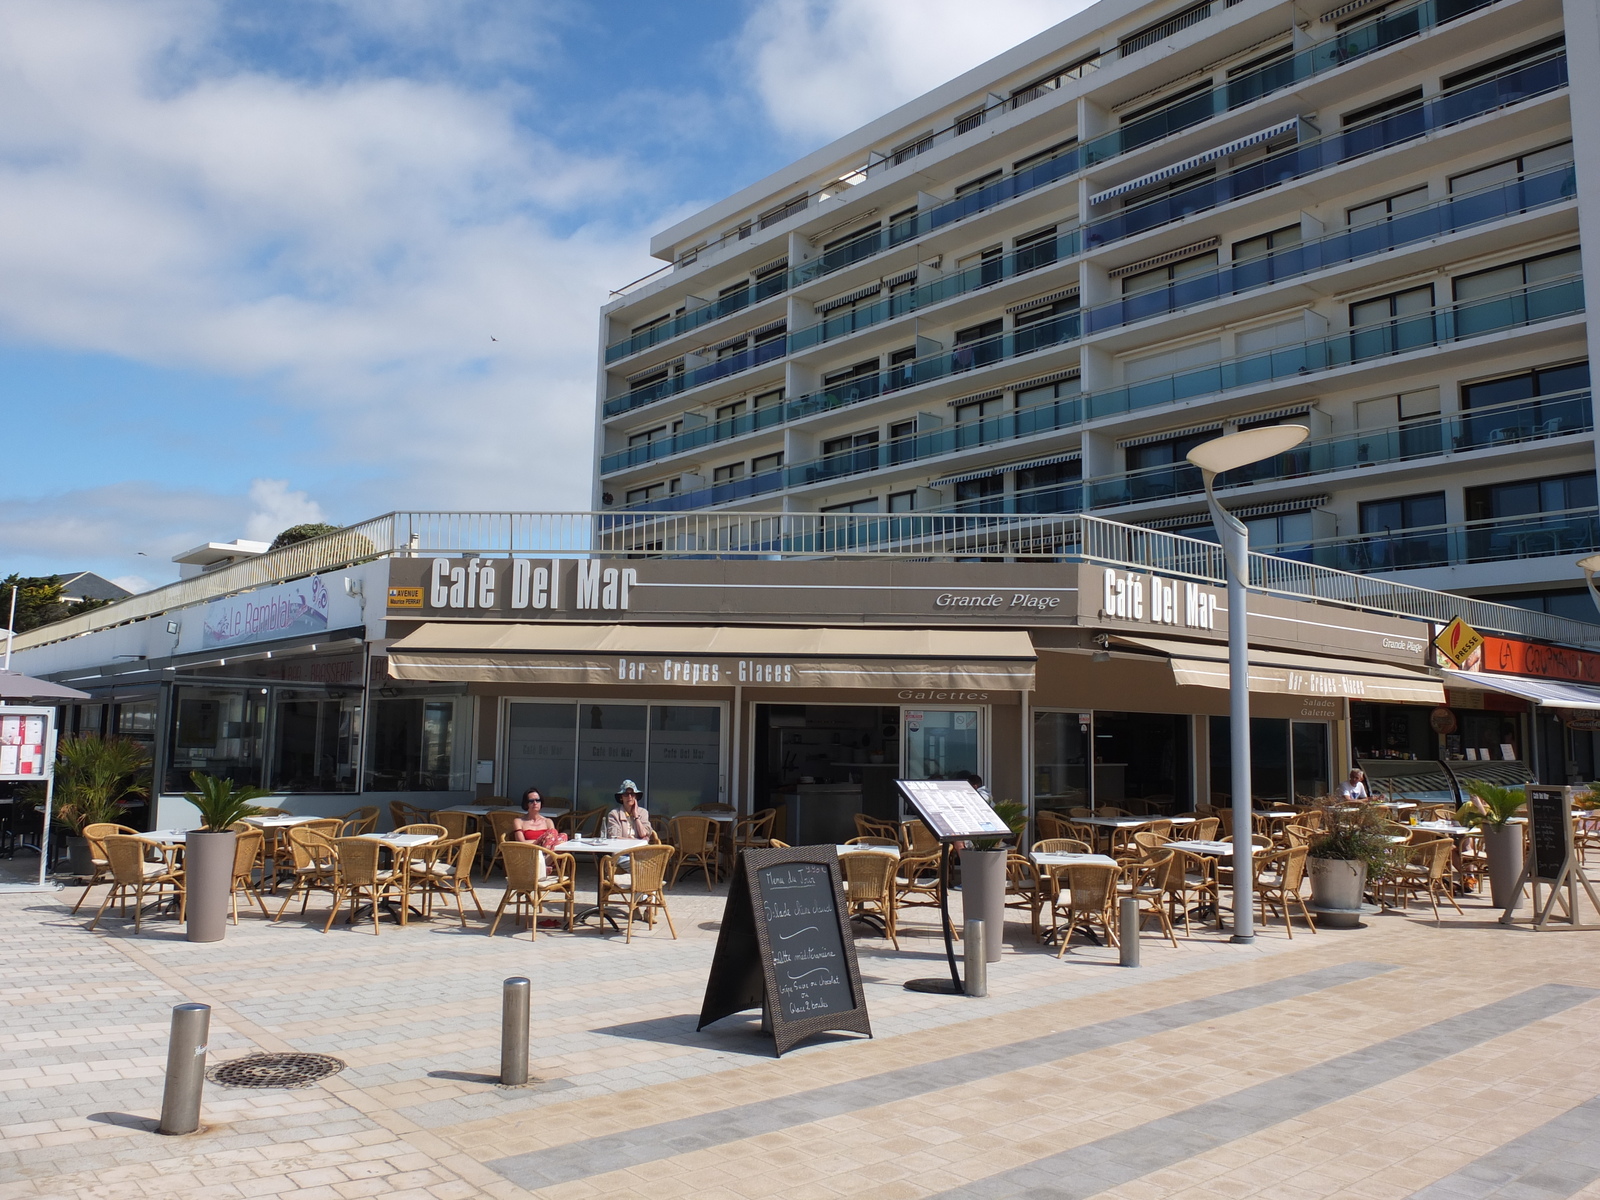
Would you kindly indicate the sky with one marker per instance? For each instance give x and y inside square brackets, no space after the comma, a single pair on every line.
[315,260]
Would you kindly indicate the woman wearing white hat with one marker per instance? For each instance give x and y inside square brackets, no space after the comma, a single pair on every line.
[629,819]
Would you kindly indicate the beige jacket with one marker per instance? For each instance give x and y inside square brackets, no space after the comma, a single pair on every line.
[618,825]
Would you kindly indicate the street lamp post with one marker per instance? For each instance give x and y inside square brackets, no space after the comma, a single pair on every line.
[1228,453]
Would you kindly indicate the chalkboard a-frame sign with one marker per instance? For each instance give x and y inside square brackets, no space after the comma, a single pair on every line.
[785,947]
[1552,862]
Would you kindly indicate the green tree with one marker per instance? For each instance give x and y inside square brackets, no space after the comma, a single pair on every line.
[39,601]
[302,533]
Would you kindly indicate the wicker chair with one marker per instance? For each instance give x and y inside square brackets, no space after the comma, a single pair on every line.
[1157,885]
[273,812]
[132,876]
[755,831]
[916,838]
[533,876]
[445,869]
[642,885]
[1278,879]
[916,885]
[1048,885]
[358,877]
[873,827]
[1199,887]
[247,849]
[869,888]
[1202,830]
[1296,835]
[501,824]
[1425,869]
[1146,842]
[315,865]
[1022,887]
[1049,824]
[401,813]
[455,823]
[1091,891]
[360,820]
[696,840]
[100,865]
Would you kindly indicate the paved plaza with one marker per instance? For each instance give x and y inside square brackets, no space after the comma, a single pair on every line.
[1398,1060]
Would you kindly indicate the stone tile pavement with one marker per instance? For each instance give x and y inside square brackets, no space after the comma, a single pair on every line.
[1400,1060]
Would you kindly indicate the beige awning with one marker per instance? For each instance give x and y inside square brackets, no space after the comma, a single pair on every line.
[1205,664]
[941,660]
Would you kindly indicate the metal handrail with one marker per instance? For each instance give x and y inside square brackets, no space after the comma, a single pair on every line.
[1050,538]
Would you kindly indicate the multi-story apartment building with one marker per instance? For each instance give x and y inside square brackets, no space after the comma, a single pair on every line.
[1033,289]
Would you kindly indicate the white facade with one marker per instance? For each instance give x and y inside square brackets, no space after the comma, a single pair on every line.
[1033,288]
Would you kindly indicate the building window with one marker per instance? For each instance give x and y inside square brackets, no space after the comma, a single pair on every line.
[979,409]
[1486,70]
[902,368]
[650,491]
[728,412]
[1044,156]
[1394,323]
[1526,385]
[985,495]
[767,398]
[1388,541]
[1407,512]
[1512,277]
[1266,243]
[1389,206]
[1049,393]
[1051,488]
[902,502]
[981,181]
[902,429]
[420,744]
[1512,168]
[977,345]
[854,441]
[1389,411]
[1528,497]
[1383,108]
[648,436]
[869,505]
[220,731]
[766,463]
[728,473]
[1170,273]
[315,743]
[782,212]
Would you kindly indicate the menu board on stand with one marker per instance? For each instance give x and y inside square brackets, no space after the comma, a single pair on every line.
[1552,862]
[785,947]
[953,811]
[28,755]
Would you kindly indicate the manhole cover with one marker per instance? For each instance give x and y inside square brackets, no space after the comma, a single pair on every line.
[275,1070]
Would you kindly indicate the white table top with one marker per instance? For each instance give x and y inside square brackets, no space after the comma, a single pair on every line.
[1129,822]
[1061,858]
[278,822]
[1397,805]
[483,810]
[1449,827]
[165,837]
[1277,813]
[721,818]
[403,840]
[893,851]
[1220,849]
[600,845]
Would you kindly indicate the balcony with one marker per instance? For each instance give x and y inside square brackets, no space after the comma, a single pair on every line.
[1348,245]
[1432,437]
[1350,45]
[733,364]
[1439,326]
[1541,535]
[1511,87]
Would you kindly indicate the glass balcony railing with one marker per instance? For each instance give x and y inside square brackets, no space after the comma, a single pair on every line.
[1349,45]
[1511,87]
[1348,245]
[1511,310]
[1539,535]
[864,316]
[733,364]
[1472,429]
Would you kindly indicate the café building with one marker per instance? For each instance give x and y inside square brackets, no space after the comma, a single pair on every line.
[804,684]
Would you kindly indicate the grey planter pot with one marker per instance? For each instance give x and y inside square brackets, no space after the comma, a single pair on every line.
[1336,887]
[1503,847]
[983,895]
[79,860]
[208,878]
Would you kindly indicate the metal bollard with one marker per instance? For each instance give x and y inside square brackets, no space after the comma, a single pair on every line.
[186,1068]
[514,1016]
[1128,931]
[977,982]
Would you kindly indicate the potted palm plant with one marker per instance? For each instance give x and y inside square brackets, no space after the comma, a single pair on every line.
[1490,810]
[983,877]
[94,775]
[208,852]
[1352,848]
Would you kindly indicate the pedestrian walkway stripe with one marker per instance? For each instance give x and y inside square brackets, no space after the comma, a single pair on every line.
[1120,1158]
[1552,1162]
[614,1152]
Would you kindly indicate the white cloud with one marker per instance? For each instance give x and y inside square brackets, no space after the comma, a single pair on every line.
[277,508]
[824,67]
[354,241]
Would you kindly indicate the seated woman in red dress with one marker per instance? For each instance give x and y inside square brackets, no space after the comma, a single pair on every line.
[534,826]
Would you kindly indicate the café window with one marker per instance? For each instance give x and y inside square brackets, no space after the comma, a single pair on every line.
[1289,760]
[1061,759]
[577,753]
[420,744]
[1141,762]
[315,742]
[218,731]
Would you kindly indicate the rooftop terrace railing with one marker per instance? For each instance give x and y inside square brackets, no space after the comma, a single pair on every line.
[1052,538]
[1385,30]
